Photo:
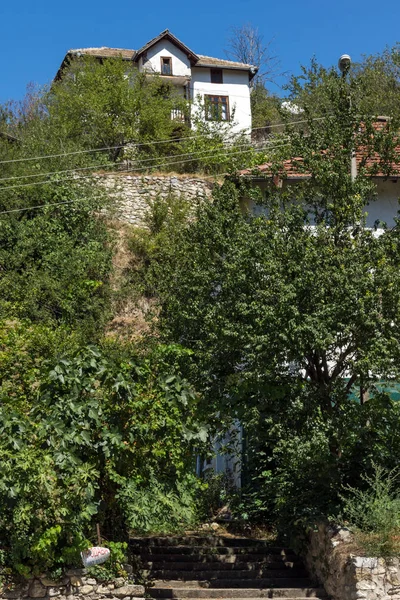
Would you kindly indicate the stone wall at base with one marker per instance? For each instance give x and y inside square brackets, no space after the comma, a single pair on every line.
[75,585]
[346,576]
[134,192]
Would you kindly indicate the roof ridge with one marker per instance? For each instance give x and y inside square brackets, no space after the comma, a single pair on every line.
[227,59]
[100,48]
[203,58]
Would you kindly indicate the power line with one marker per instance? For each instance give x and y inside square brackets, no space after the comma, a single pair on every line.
[13,210]
[120,146]
[136,145]
[150,166]
[267,146]
[145,160]
[56,172]
[105,165]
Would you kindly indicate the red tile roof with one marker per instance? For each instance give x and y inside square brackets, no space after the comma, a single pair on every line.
[293,168]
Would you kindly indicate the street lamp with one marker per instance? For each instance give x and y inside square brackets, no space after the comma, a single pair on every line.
[344,64]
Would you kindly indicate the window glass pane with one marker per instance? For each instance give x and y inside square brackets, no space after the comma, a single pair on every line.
[166,66]
[224,109]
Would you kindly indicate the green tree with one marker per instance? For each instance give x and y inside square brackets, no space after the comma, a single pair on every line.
[264,109]
[109,104]
[374,85]
[105,433]
[288,312]
[56,256]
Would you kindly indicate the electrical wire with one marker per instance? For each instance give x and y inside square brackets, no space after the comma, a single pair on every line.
[13,210]
[136,145]
[104,165]
[150,166]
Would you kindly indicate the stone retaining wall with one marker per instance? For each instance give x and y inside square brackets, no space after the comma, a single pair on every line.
[133,192]
[331,561]
[75,585]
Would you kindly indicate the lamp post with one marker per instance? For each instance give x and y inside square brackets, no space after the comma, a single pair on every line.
[344,64]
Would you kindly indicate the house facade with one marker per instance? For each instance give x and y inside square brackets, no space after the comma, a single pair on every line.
[380,213]
[219,88]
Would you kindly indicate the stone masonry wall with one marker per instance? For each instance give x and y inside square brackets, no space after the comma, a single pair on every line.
[344,575]
[133,192]
[75,585]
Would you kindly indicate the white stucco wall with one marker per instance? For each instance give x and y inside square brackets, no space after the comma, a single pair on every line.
[164,48]
[235,85]
[235,82]
[384,208]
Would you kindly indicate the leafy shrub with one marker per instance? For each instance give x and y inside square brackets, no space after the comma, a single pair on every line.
[374,511]
[296,462]
[25,350]
[160,507]
[153,247]
[58,259]
[97,426]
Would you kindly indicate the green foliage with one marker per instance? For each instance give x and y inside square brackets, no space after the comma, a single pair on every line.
[109,104]
[56,264]
[55,248]
[96,427]
[264,108]
[374,85]
[25,349]
[377,82]
[216,147]
[160,507]
[219,490]
[153,246]
[45,505]
[288,311]
[374,511]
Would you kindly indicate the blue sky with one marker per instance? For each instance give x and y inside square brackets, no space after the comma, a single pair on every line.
[35,35]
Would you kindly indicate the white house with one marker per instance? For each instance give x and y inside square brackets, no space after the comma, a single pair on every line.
[222,85]
[380,213]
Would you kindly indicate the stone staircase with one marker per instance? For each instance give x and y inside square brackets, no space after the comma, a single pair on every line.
[212,566]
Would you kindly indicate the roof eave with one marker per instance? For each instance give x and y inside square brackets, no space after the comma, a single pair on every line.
[65,63]
[222,66]
[77,54]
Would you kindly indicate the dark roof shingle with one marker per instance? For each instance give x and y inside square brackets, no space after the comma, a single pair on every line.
[104,52]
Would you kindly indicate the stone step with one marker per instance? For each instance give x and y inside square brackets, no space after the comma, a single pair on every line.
[220,561]
[221,567]
[237,594]
[270,582]
[210,575]
[200,551]
[199,540]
